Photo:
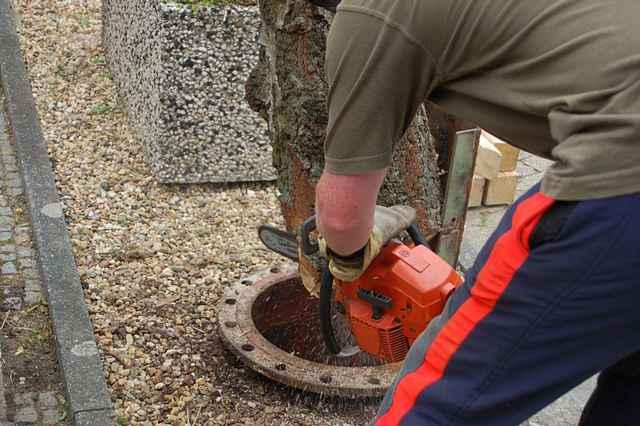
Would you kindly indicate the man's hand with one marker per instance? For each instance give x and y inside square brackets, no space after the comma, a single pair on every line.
[344,208]
[387,223]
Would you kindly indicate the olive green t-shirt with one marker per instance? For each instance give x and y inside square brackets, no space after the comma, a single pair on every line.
[557,78]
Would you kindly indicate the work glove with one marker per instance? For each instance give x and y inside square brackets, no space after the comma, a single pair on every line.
[388,223]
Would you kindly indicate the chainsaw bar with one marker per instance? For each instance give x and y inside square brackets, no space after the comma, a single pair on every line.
[286,244]
[281,242]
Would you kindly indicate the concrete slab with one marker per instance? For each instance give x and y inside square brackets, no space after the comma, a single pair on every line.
[567,409]
[95,418]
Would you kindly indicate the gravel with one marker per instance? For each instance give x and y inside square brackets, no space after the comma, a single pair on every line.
[153,259]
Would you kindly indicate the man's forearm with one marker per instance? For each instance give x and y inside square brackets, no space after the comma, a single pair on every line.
[345,207]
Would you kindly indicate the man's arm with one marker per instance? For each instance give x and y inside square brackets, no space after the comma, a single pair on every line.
[344,209]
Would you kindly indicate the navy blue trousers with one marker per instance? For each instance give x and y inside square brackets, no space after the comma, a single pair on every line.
[552,299]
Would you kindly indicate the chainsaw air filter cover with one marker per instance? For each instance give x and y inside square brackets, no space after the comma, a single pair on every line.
[396,298]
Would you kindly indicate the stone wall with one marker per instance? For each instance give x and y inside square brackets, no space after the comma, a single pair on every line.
[181,73]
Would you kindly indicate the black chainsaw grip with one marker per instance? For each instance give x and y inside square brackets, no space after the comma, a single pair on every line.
[306,229]
[326,287]
[416,236]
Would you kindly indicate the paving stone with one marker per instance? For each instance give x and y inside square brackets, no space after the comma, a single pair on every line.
[23,399]
[32,285]
[6,257]
[23,239]
[3,201]
[5,236]
[16,191]
[5,220]
[32,297]
[567,409]
[9,268]
[12,304]
[7,248]
[26,414]
[24,252]
[526,182]
[6,211]
[27,262]
[47,400]
[539,164]
[50,416]
[30,273]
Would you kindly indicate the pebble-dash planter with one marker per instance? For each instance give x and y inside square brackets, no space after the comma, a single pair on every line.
[180,73]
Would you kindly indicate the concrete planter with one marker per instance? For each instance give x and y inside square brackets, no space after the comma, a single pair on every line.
[181,75]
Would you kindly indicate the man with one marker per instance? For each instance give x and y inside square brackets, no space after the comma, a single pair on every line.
[552,298]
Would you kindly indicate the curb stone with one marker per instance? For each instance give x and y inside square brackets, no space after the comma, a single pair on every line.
[78,356]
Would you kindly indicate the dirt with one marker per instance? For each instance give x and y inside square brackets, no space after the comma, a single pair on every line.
[28,355]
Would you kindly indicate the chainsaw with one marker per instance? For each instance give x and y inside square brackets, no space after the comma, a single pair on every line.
[390,304]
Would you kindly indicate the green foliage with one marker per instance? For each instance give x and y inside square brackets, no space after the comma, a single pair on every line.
[82,20]
[100,109]
[97,60]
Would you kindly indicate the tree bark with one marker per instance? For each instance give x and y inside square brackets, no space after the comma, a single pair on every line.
[288,88]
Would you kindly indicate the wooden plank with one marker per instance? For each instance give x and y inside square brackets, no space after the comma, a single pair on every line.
[509,153]
[477,191]
[501,190]
[488,160]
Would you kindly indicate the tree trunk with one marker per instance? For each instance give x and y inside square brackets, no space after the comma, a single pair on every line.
[288,88]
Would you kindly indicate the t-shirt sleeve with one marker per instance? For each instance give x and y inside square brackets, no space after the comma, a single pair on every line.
[378,76]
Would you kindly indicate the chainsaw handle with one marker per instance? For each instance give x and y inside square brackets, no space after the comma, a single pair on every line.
[310,225]
[307,227]
[416,236]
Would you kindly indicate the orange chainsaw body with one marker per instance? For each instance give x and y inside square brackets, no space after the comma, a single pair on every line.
[403,289]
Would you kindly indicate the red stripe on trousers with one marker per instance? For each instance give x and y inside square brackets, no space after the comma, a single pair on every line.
[507,256]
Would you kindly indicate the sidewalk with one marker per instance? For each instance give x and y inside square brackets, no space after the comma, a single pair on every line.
[30,387]
[480,224]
